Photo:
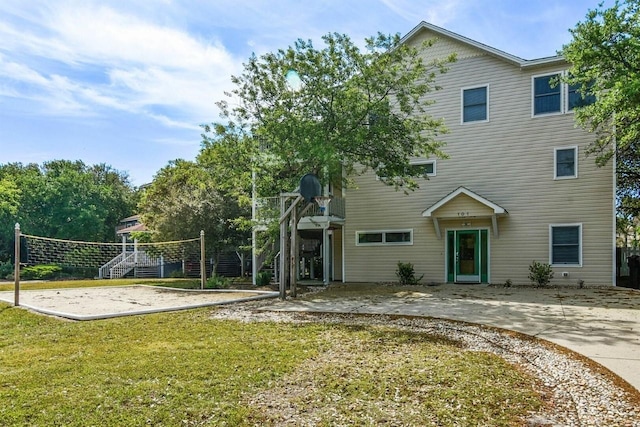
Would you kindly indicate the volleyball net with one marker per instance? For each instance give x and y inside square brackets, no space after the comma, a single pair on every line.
[40,257]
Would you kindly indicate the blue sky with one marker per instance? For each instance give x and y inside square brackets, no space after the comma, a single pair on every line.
[128,82]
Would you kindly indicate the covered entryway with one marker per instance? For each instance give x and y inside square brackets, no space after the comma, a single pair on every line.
[467,220]
[467,256]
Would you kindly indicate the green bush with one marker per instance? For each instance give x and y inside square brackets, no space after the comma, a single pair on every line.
[218,282]
[540,273]
[176,274]
[263,278]
[407,274]
[6,270]
[40,272]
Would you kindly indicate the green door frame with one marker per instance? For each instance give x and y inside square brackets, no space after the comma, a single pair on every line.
[474,266]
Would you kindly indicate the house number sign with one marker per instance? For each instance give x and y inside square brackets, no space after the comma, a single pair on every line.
[463,214]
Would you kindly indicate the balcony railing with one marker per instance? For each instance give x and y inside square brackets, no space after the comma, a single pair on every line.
[269,207]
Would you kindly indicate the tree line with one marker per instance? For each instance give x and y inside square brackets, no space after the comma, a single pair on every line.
[63,199]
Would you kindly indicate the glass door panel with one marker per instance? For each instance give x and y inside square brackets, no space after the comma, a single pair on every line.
[467,268]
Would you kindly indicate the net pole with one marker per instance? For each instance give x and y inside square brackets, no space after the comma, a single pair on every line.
[16,268]
[203,266]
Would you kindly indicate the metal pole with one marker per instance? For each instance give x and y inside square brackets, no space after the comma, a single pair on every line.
[203,265]
[16,270]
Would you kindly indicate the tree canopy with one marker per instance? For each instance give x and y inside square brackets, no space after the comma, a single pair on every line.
[63,199]
[185,198]
[334,109]
[605,61]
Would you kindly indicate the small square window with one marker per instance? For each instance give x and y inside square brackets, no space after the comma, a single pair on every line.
[546,94]
[474,104]
[566,162]
[566,244]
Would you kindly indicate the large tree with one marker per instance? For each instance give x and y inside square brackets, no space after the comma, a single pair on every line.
[184,199]
[605,58]
[335,109]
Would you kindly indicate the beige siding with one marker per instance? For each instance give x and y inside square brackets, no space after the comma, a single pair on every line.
[508,160]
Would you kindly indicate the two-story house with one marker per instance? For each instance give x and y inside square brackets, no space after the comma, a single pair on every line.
[517,186]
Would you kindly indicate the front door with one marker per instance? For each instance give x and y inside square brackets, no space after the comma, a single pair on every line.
[467,260]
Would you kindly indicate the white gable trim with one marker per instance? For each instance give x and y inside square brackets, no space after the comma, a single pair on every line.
[523,63]
[497,209]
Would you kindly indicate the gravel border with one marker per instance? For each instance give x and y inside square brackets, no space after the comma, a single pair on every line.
[579,392]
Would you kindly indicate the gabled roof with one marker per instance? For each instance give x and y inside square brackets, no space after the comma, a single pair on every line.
[512,59]
[497,210]
[136,227]
[131,218]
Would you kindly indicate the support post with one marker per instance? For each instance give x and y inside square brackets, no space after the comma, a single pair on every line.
[283,246]
[293,264]
[203,264]
[16,269]
[254,232]
[325,255]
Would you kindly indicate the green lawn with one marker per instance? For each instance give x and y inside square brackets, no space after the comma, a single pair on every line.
[186,368]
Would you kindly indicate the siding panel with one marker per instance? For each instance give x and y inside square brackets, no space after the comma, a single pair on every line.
[508,160]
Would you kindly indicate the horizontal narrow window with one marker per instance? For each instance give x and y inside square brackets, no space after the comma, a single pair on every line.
[385,237]
[366,238]
[424,168]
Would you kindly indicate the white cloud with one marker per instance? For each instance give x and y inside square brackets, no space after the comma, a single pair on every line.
[149,65]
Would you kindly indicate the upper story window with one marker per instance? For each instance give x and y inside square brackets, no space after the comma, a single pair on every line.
[424,167]
[576,99]
[546,94]
[475,102]
[566,162]
[551,96]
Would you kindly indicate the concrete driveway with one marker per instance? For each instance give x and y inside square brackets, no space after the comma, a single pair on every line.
[602,324]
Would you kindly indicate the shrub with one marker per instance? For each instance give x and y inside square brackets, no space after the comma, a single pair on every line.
[40,272]
[508,283]
[407,274]
[6,270]
[540,273]
[176,274]
[263,278]
[218,282]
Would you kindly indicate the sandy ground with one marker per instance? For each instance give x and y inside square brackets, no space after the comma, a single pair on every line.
[115,301]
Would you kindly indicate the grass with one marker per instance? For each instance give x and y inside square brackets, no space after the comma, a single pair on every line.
[187,368]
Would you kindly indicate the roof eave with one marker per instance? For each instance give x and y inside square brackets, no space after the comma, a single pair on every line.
[497,53]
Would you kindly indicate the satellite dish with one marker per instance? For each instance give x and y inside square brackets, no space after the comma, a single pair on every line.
[310,187]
